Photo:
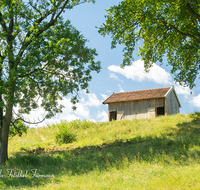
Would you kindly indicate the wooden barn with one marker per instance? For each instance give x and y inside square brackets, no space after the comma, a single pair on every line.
[142,103]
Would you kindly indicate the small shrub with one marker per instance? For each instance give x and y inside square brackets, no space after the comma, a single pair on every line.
[64,135]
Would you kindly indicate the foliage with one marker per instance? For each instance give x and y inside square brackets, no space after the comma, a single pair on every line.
[21,128]
[64,135]
[42,58]
[168,28]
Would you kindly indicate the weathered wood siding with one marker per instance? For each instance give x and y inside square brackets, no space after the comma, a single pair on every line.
[136,109]
[172,105]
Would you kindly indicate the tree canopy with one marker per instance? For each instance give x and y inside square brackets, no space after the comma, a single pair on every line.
[163,27]
[42,58]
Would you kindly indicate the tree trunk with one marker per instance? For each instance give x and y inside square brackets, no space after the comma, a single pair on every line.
[4,135]
[1,123]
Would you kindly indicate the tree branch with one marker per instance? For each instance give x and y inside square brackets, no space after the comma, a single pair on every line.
[35,8]
[42,29]
[10,29]
[39,89]
[45,27]
[20,118]
[66,2]
[3,24]
[56,7]
[28,74]
[31,123]
[180,32]
[193,13]
[13,123]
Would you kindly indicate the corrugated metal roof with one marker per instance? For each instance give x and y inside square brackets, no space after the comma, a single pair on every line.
[137,95]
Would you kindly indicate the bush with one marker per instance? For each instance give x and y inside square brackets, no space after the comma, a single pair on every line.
[64,135]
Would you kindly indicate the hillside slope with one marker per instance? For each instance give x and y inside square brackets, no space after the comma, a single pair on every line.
[157,153]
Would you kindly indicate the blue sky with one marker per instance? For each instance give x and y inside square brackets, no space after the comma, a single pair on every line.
[112,78]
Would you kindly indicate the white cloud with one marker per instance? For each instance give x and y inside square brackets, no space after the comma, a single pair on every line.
[104,96]
[93,120]
[92,100]
[136,72]
[67,114]
[103,116]
[182,90]
[82,111]
[196,101]
[120,88]
[112,75]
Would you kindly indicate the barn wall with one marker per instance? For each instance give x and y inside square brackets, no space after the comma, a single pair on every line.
[172,106]
[136,109]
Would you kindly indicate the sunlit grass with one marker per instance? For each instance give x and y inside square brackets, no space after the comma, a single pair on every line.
[157,153]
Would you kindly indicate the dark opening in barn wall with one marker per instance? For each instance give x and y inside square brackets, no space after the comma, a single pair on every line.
[160,111]
[113,115]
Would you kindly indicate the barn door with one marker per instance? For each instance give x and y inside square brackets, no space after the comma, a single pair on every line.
[113,115]
[160,111]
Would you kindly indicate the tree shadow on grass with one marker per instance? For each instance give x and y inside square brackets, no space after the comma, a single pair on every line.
[180,147]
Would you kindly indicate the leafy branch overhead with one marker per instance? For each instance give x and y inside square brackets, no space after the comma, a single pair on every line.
[42,58]
[47,57]
[170,28]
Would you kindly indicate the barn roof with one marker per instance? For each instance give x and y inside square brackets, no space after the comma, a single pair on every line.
[139,95]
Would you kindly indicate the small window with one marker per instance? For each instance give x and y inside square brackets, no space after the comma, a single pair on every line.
[113,115]
[160,111]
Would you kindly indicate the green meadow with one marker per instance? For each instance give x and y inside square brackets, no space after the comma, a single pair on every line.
[157,153]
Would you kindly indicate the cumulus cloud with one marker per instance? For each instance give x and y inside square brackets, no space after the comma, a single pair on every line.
[136,72]
[182,90]
[196,101]
[82,112]
[103,116]
[92,100]
[67,114]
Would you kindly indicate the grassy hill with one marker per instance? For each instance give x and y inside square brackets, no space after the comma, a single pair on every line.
[157,153]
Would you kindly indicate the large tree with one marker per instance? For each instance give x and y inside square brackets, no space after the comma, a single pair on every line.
[42,59]
[164,28]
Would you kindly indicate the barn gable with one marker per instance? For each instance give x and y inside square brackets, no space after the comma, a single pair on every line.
[142,103]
